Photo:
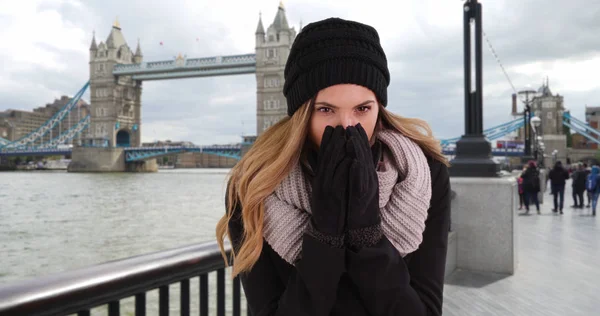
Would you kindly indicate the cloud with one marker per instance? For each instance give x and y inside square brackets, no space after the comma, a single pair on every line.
[44,54]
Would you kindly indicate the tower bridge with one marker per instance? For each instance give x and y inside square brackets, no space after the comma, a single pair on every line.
[111,135]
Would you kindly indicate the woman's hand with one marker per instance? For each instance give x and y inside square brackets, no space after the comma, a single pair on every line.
[363,220]
[330,184]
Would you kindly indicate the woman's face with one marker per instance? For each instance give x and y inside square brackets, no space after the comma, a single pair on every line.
[346,105]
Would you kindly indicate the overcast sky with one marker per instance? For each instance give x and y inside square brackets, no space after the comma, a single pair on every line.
[44,54]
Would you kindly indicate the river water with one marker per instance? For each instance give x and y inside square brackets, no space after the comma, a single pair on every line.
[57,221]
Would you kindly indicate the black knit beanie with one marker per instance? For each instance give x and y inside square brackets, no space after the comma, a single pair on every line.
[334,51]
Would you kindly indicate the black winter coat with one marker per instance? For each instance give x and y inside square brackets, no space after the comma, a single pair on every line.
[531,180]
[373,281]
[579,179]
[558,176]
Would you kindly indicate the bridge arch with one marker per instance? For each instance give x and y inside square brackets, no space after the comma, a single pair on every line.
[123,138]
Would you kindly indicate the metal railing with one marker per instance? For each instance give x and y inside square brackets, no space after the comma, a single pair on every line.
[78,291]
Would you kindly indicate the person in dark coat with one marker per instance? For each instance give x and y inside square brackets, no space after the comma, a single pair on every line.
[531,186]
[579,178]
[342,207]
[574,168]
[558,177]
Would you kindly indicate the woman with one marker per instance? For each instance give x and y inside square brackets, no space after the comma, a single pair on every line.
[531,186]
[342,208]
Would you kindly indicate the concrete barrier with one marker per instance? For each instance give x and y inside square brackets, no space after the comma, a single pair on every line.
[484,220]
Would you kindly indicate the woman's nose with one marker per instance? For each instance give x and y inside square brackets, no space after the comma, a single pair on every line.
[348,120]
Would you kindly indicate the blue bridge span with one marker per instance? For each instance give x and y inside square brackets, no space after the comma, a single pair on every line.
[135,153]
[33,144]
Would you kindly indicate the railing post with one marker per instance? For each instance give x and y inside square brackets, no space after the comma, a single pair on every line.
[114,308]
[140,304]
[221,292]
[204,295]
[163,304]
[184,296]
[236,297]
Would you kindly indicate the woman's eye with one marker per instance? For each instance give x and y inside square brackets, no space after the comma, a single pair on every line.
[363,108]
[324,110]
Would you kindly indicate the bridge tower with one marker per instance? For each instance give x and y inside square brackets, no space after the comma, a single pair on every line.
[550,108]
[115,101]
[272,50]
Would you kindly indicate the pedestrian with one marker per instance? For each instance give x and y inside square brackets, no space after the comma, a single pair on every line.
[531,186]
[593,186]
[579,179]
[342,207]
[520,184]
[574,174]
[587,171]
[558,177]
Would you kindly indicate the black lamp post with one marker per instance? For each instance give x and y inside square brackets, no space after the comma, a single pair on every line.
[473,151]
[527,123]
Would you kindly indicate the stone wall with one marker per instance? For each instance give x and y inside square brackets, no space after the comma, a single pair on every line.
[576,155]
[142,166]
[97,159]
[204,160]
[552,142]
[101,159]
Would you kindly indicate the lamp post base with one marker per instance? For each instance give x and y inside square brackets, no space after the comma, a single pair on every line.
[473,158]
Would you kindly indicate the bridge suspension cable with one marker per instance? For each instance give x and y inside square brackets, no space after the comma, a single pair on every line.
[498,61]
[50,124]
[492,133]
[69,134]
[581,127]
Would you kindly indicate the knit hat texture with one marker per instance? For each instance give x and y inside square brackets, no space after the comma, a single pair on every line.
[334,51]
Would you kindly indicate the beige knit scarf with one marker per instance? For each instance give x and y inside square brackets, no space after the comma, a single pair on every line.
[404,196]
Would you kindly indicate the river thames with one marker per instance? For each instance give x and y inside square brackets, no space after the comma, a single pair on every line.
[56,221]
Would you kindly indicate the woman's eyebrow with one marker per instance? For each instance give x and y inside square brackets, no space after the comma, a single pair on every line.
[335,107]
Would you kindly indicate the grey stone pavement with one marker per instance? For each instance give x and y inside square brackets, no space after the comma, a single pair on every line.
[558,271]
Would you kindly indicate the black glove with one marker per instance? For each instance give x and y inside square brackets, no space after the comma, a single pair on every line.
[363,220]
[330,186]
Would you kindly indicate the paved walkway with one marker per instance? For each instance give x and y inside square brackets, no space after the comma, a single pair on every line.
[558,272]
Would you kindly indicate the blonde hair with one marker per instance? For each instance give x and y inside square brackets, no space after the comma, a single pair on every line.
[271,158]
